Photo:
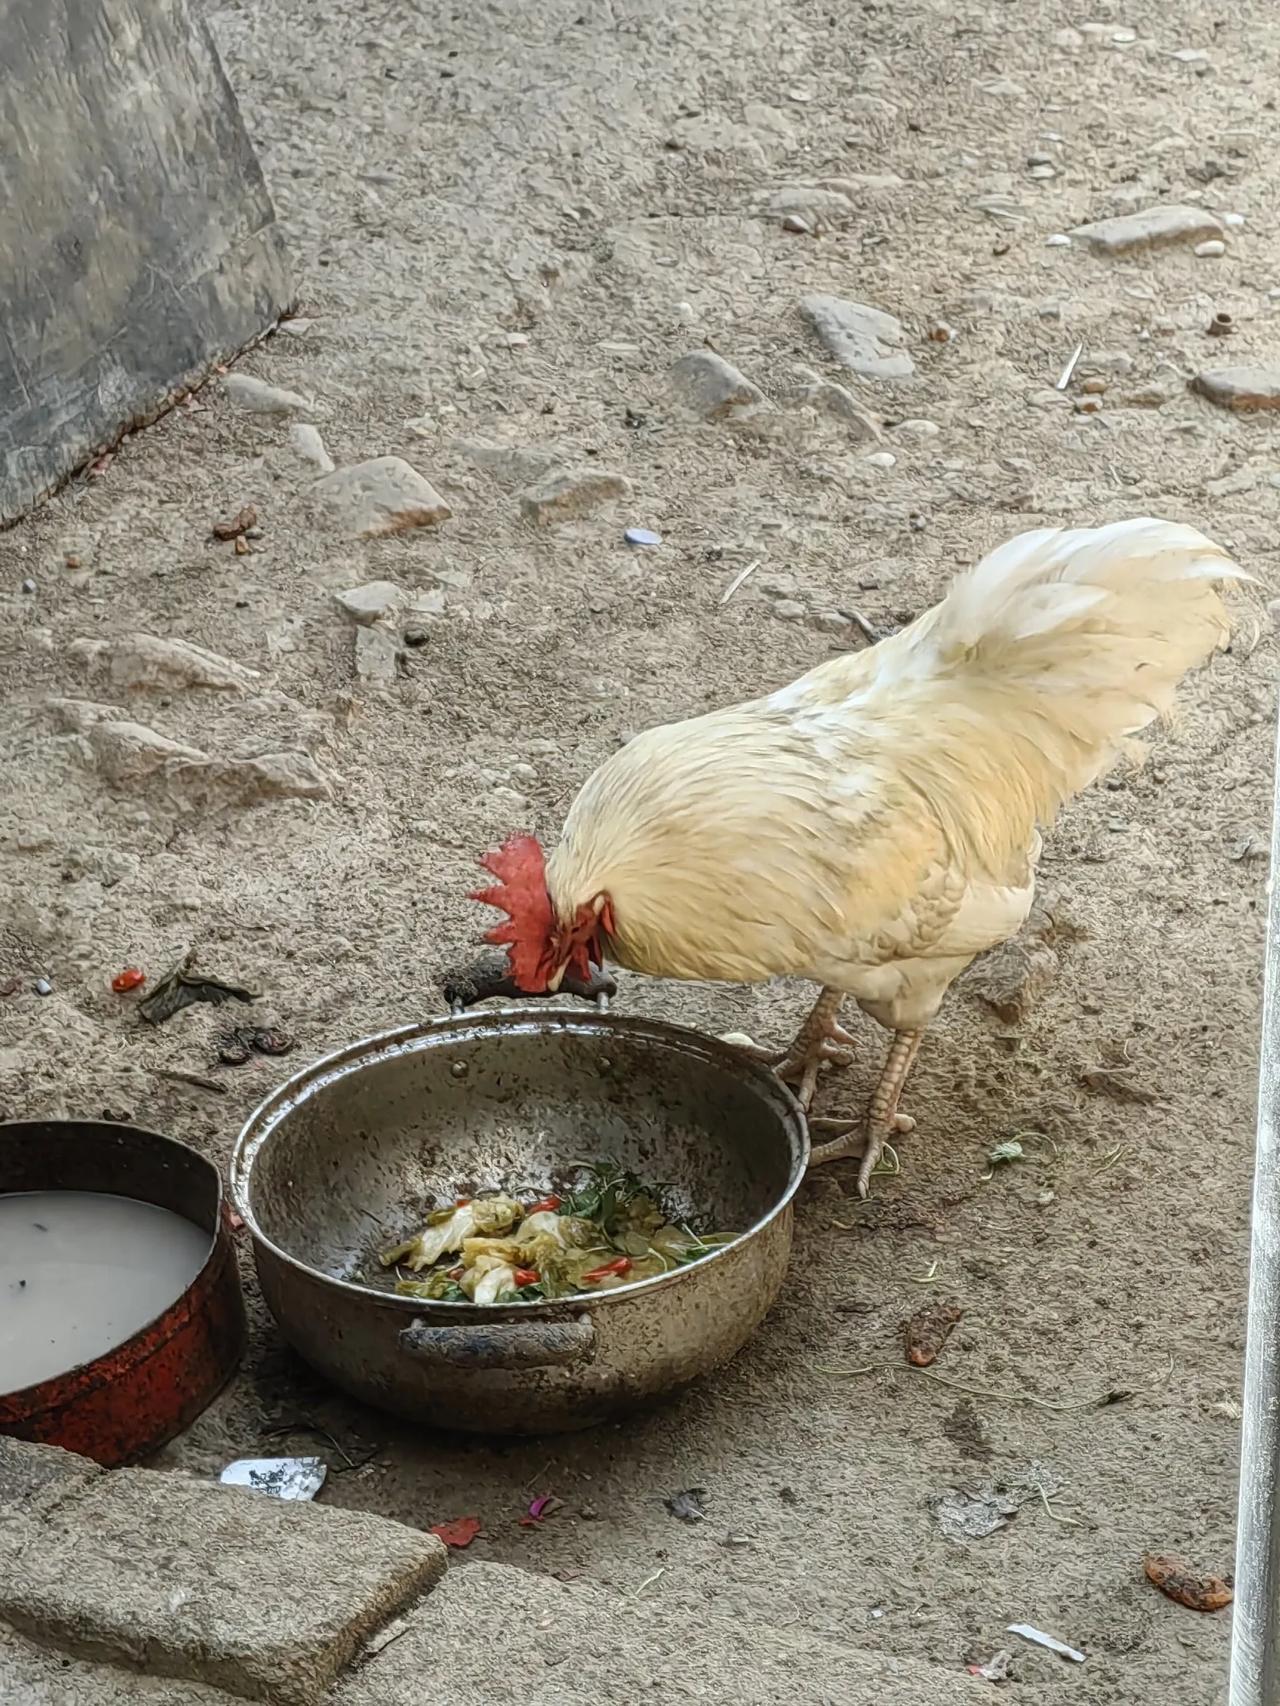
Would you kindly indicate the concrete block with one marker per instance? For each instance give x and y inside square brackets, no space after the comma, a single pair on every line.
[188,1579]
[34,1478]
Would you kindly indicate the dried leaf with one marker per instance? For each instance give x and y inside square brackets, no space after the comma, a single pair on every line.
[458,1533]
[180,988]
[1175,1577]
[928,1331]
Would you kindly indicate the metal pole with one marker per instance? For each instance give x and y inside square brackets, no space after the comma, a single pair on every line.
[1255,1636]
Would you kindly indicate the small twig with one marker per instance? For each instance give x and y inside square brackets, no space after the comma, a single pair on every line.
[196,1078]
[647,1582]
[929,1277]
[738,579]
[321,1433]
[1110,1159]
[1057,1516]
[869,632]
[1115,1396]
[1064,378]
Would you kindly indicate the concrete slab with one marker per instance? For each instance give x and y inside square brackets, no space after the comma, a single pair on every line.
[34,1478]
[188,1579]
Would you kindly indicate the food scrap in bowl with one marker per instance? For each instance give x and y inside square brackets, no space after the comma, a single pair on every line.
[608,1230]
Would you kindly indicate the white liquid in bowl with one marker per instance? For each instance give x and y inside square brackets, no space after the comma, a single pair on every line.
[81,1272]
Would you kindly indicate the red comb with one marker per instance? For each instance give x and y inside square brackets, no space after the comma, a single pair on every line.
[520,892]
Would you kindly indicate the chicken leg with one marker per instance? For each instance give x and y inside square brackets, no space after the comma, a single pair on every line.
[821,1038]
[869,1136]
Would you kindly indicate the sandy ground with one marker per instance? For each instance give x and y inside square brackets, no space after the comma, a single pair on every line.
[509,222]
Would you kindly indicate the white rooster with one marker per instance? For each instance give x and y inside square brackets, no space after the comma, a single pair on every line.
[875,825]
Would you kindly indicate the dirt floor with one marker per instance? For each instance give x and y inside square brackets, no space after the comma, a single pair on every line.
[509,222]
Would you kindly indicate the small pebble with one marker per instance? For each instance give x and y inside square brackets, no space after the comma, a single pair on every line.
[789,609]
[941,333]
[880,459]
[1094,387]
[1043,172]
[71,560]
[796,223]
[1233,220]
[1059,240]
[1210,250]
[28,586]
[43,986]
[919,428]
[1087,405]
[642,536]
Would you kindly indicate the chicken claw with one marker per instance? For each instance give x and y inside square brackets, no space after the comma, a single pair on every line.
[819,1040]
[868,1137]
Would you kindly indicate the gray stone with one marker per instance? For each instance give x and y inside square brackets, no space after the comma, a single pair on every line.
[840,402]
[370,602]
[1153,228]
[459,1647]
[155,663]
[377,655]
[819,207]
[864,339]
[382,496]
[36,1477]
[122,280]
[258,398]
[128,754]
[789,609]
[515,464]
[1243,389]
[269,776]
[570,492]
[306,443]
[714,386]
[183,1578]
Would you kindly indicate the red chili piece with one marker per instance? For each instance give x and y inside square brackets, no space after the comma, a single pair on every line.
[129,978]
[620,1265]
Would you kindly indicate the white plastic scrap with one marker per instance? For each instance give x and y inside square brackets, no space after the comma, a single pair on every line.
[279,1477]
[1063,1651]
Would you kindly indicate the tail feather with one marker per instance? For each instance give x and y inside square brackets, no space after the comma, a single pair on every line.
[1085,632]
[1039,666]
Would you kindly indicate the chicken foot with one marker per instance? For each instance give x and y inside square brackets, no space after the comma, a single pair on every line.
[820,1039]
[869,1136]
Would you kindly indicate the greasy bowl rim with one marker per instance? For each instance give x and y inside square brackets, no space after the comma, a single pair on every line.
[409,1039]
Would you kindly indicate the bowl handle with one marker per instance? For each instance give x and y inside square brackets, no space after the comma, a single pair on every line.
[507,1344]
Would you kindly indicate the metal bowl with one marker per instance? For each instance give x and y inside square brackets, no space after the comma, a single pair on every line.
[347,1156]
[132,1399]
